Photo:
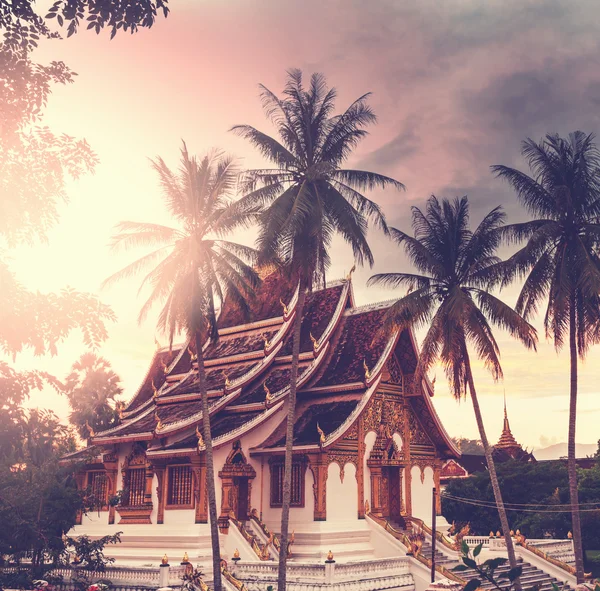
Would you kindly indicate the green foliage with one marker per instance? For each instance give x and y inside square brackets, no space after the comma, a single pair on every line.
[92,388]
[539,484]
[42,321]
[469,446]
[486,571]
[192,580]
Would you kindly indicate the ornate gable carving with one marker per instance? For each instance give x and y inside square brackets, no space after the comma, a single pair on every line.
[394,370]
[417,433]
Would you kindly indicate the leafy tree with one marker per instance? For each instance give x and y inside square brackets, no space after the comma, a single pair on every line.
[469,446]
[451,296]
[543,486]
[195,271]
[307,198]
[42,321]
[92,388]
[560,262]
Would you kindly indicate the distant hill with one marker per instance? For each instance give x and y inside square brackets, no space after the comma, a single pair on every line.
[559,450]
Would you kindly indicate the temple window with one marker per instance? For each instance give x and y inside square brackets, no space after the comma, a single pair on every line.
[137,486]
[97,484]
[180,486]
[297,493]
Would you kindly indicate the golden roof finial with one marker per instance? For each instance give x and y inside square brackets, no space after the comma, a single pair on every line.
[154,389]
[89,428]
[199,437]
[268,395]
[498,534]
[164,366]
[512,533]
[570,535]
[330,555]
[159,424]
[349,276]
[315,342]
[367,370]
[165,559]
[193,357]
[236,554]
[120,408]
[285,308]
[267,342]
[491,534]
[227,380]
[321,435]
[185,558]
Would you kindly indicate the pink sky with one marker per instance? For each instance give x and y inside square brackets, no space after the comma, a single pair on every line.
[456,86]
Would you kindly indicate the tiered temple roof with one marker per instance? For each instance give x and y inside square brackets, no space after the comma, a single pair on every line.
[342,361]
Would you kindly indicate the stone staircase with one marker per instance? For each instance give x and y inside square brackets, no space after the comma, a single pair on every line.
[532,577]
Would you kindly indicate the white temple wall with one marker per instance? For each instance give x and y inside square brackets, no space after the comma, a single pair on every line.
[370,438]
[422,493]
[342,497]
[300,517]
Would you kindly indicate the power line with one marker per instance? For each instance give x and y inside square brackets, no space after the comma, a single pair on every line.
[445,494]
[487,505]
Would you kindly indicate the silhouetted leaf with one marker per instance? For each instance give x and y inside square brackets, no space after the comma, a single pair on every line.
[477,550]
[513,573]
[472,585]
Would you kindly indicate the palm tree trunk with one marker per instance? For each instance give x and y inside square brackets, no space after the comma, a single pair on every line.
[289,440]
[492,470]
[210,469]
[571,462]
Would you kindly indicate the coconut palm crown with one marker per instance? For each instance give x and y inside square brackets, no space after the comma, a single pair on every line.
[450,296]
[194,269]
[559,263]
[309,196]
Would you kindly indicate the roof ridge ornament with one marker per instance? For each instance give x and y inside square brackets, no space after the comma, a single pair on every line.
[367,370]
[193,357]
[90,429]
[267,342]
[199,437]
[315,342]
[154,390]
[159,424]
[349,276]
[285,308]
[268,396]
[321,436]
[164,366]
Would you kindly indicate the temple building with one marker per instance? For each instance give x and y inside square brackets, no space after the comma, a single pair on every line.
[506,449]
[367,440]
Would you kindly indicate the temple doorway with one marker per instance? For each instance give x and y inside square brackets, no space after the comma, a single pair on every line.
[240,501]
[395,493]
[236,479]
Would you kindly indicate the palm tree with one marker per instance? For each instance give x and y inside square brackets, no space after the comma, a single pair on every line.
[307,198]
[92,388]
[194,270]
[451,296]
[560,262]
